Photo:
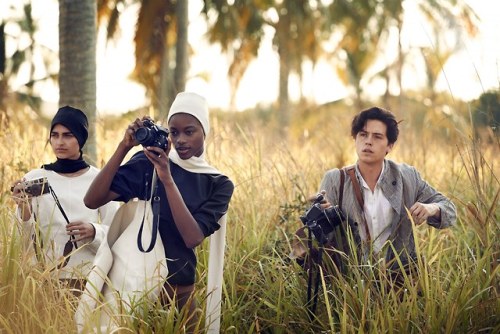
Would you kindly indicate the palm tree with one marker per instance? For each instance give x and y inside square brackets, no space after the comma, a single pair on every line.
[443,17]
[361,27]
[160,41]
[239,28]
[296,39]
[3,60]
[442,48]
[181,45]
[31,56]
[365,25]
[77,57]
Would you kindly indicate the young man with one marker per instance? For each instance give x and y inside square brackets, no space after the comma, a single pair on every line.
[389,196]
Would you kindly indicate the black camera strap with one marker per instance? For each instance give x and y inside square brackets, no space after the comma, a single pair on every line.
[313,303]
[156,215]
[68,247]
[341,187]
[312,299]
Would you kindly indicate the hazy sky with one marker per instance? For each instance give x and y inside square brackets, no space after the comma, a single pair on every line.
[470,72]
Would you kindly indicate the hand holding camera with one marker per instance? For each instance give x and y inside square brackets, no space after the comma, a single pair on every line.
[30,188]
[322,220]
[151,134]
[23,191]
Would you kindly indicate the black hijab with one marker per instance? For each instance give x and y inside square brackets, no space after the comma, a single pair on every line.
[76,121]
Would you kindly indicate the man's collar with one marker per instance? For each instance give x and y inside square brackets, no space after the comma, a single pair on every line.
[360,177]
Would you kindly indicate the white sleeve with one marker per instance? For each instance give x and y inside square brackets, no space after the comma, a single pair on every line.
[26,228]
[106,214]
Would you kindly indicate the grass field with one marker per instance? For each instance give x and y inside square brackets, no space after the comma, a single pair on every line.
[264,291]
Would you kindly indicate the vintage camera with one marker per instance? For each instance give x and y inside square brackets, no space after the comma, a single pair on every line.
[35,187]
[322,221]
[152,135]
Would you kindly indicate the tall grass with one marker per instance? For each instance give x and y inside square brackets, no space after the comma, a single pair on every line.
[264,291]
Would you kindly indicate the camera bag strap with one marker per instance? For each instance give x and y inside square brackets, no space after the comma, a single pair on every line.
[359,196]
[341,186]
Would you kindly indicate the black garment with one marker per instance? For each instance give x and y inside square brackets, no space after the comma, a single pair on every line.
[206,196]
[66,165]
[75,120]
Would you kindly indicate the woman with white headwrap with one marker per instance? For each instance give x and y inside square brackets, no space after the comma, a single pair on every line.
[193,195]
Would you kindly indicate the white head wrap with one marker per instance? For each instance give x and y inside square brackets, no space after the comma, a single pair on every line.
[196,106]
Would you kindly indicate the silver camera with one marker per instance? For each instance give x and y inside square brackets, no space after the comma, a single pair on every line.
[35,187]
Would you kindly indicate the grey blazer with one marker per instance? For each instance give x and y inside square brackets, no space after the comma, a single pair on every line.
[403,186]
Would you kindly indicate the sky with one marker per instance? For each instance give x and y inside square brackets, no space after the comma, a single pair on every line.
[473,70]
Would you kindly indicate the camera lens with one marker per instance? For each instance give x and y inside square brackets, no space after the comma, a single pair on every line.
[143,135]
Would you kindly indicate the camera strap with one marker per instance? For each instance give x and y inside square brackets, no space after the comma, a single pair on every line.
[68,247]
[312,304]
[156,215]
[341,186]
[312,298]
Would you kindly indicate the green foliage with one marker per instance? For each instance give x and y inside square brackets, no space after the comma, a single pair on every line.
[487,111]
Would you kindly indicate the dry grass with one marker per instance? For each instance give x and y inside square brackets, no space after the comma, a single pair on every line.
[264,291]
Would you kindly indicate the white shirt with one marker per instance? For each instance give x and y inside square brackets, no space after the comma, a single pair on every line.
[51,225]
[378,213]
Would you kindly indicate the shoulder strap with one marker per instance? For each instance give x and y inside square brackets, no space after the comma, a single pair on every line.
[355,183]
[341,186]
[351,171]
[156,216]
[71,243]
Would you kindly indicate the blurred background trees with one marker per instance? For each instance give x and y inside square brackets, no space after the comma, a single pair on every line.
[352,36]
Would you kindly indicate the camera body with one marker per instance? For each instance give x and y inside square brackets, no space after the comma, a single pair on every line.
[152,134]
[322,221]
[36,187]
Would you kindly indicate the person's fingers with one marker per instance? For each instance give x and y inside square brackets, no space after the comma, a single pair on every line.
[314,197]
[326,205]
[157,156]
[415,212]
[82,230]
[158,151]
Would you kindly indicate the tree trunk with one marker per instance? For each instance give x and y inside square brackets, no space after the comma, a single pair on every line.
[163,95]
[283,98]
[181,56]
[77,57]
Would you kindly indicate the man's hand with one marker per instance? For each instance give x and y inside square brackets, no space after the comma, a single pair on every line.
[324,202]
[420,212]
[82,231]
